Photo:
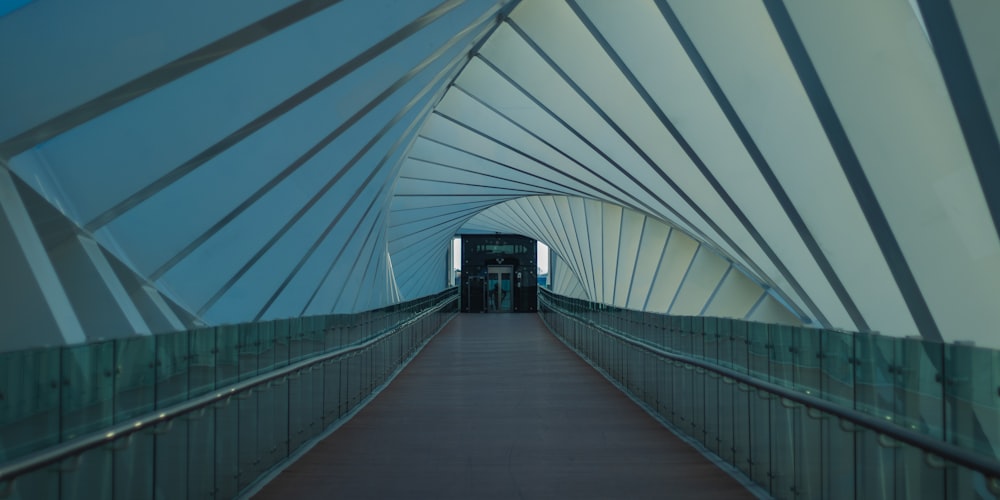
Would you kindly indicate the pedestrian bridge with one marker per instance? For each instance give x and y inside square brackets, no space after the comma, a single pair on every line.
[227,248]
[418,401]
[496,407]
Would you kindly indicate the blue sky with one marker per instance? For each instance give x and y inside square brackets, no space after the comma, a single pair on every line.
[8,6]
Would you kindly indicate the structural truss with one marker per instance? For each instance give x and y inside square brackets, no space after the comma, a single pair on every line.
[834,163]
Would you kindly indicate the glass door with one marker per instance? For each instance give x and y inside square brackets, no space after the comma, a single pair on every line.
[499,290]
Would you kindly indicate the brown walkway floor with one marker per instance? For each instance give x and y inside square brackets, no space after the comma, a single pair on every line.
[496,407]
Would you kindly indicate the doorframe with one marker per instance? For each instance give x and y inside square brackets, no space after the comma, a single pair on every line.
[499,271]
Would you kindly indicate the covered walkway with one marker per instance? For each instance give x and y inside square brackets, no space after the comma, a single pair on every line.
[496,407]
[225,225]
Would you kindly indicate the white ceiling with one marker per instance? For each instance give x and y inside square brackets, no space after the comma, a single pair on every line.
[281,158]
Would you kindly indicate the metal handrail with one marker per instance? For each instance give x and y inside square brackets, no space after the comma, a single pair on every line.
[78,446]
[942,449]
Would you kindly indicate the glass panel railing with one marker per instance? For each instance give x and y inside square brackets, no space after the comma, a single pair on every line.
[173,356]
[29,401]
[972,393]
[86,388]
[936,395]
[134,377]
[200,413]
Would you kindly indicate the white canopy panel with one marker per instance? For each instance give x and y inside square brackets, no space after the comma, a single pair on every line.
[646,265]
[301,157]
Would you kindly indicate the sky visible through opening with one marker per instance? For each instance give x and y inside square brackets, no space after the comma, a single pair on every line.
[543,256]
[8,6]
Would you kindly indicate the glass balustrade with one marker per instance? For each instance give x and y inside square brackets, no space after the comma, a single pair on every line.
[948,392]
[58,395]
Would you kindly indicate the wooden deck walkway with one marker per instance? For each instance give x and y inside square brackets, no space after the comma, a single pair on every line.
[496,407]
